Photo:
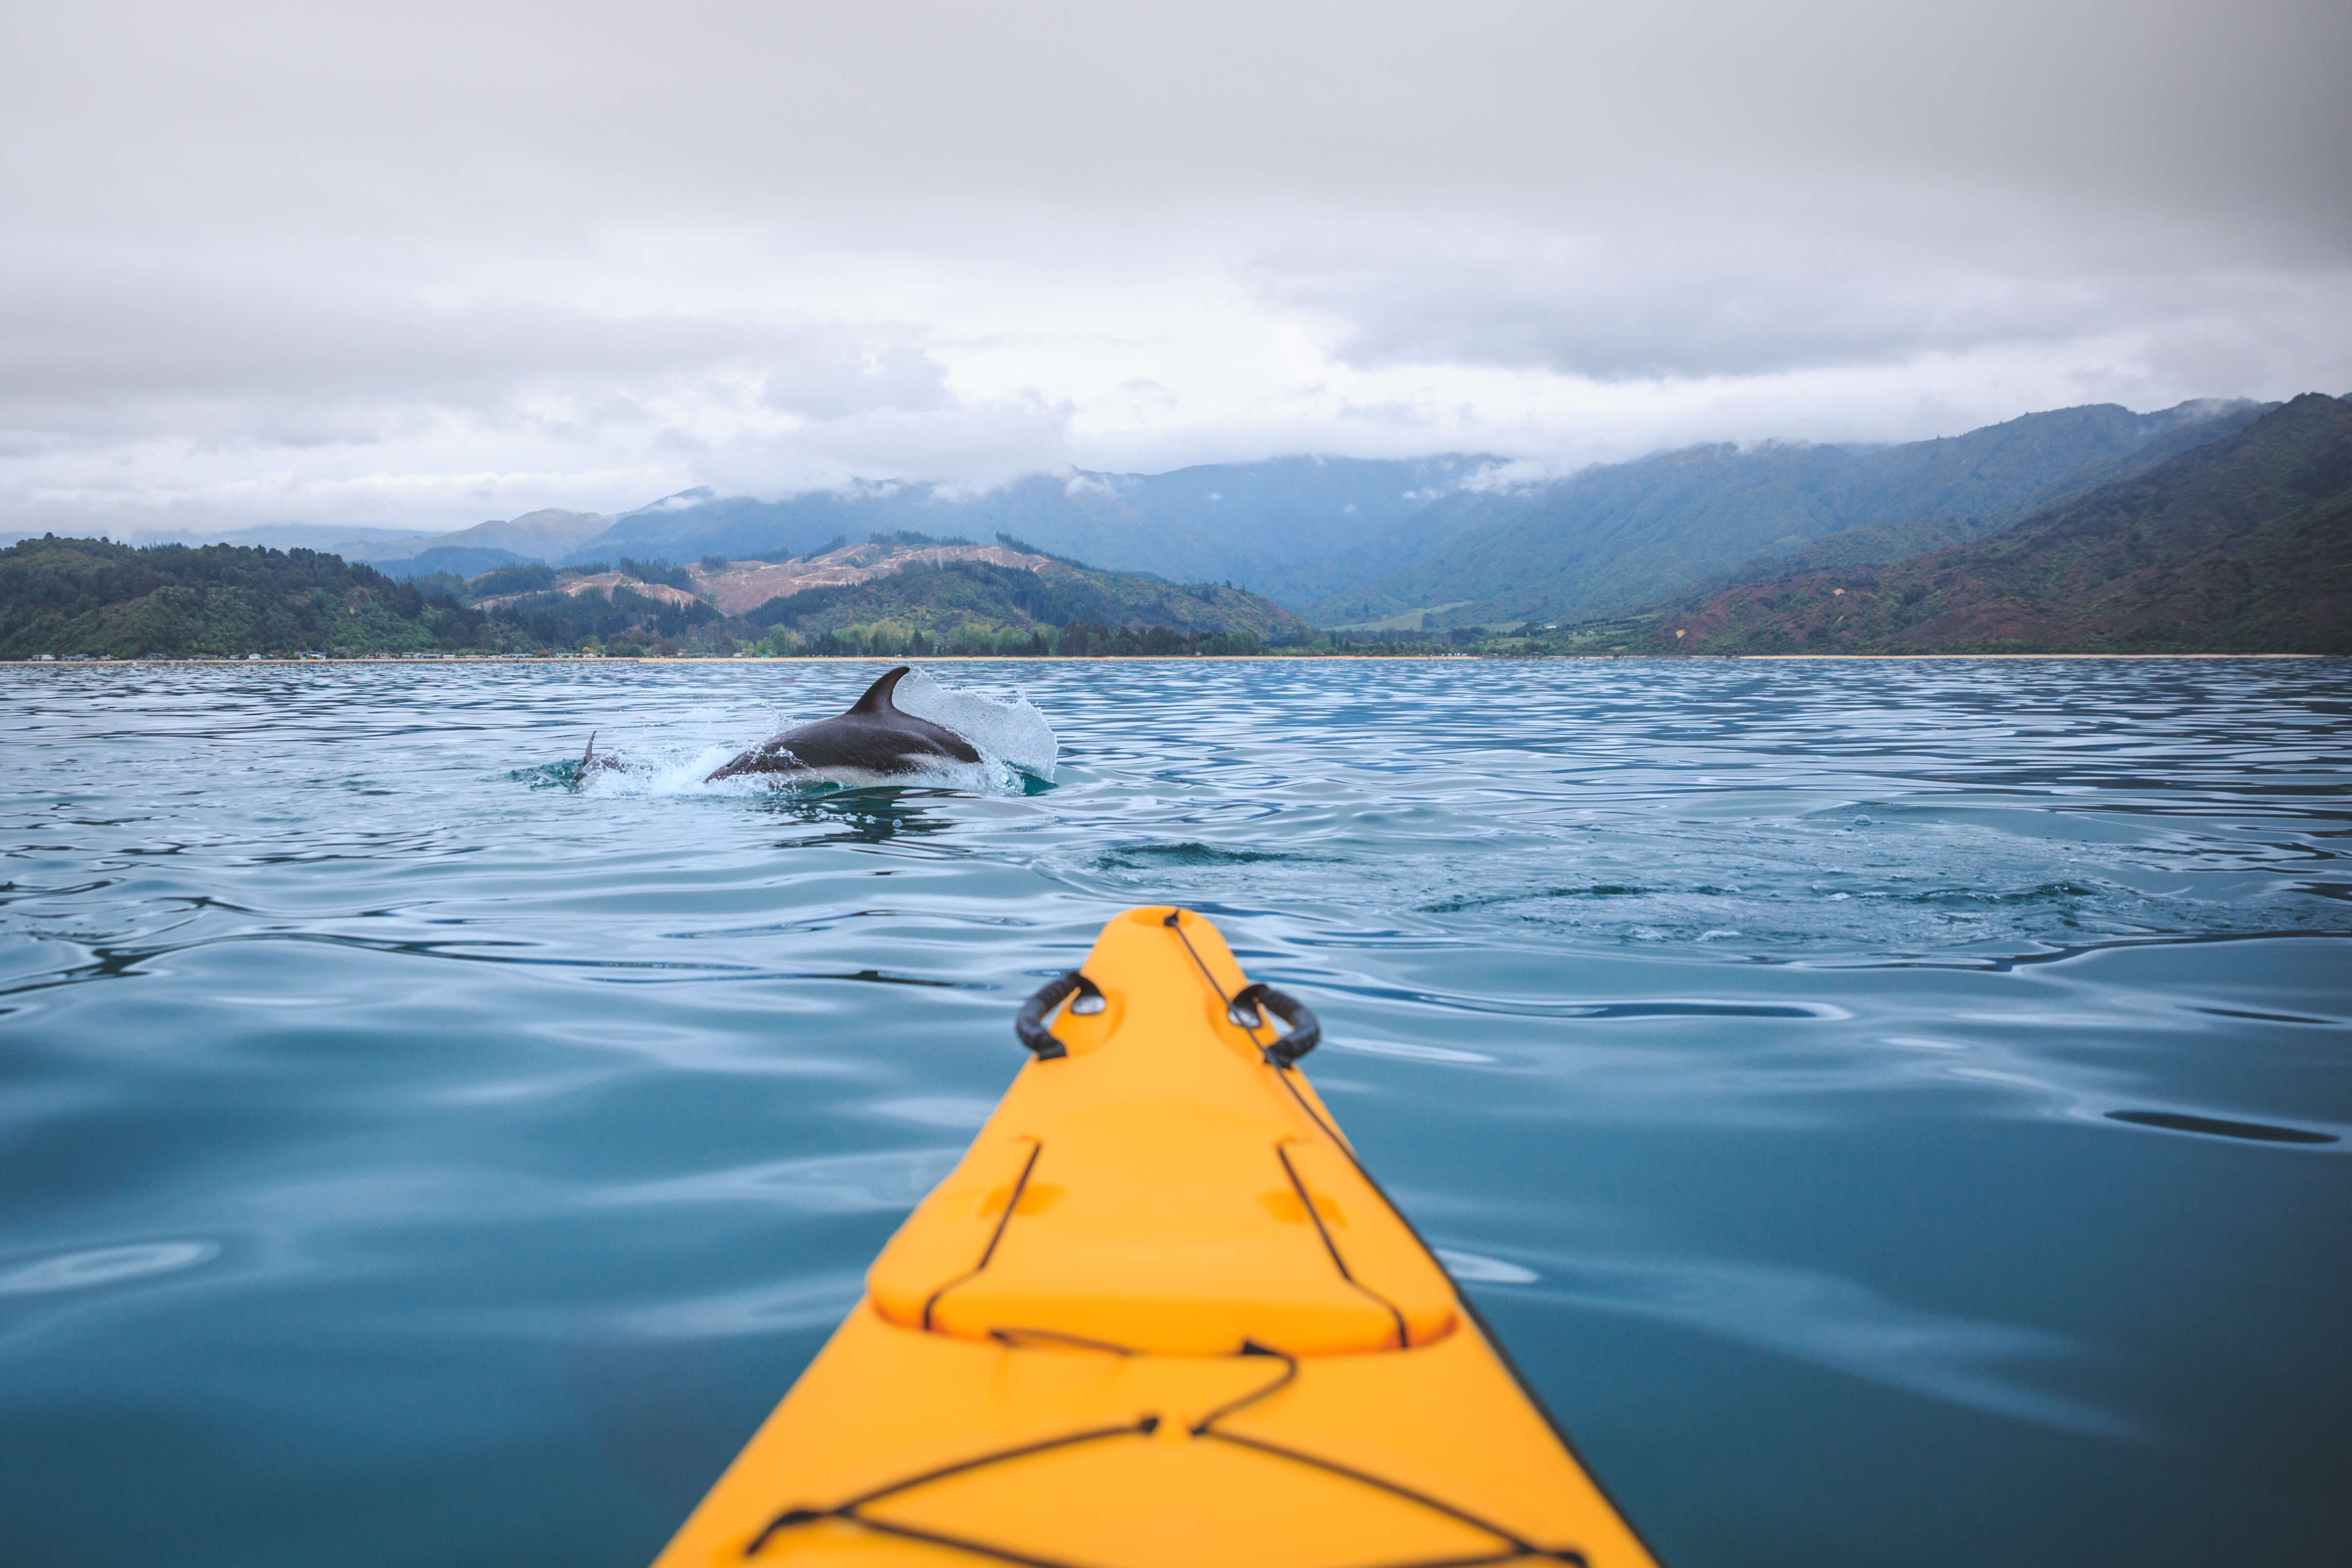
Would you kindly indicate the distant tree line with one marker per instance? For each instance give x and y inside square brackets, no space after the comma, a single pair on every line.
[658,570]
[91,598]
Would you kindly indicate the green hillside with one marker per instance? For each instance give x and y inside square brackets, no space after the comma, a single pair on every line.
[1876,545]
[1612,538]
[979,596]
[2242,544]
[69,597]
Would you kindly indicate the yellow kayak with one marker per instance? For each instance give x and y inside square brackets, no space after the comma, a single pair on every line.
[1158,1316]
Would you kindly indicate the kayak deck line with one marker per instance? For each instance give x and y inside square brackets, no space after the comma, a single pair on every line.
[1066,1356]
[1012,1205]
[1513,1550]
[848,1510]
[1307,1203]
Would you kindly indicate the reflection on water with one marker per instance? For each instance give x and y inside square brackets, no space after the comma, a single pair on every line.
[1896,1113]
[874,816]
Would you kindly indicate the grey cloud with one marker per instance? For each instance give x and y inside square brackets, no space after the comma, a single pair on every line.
[88,349]
[833,379]
[441,116]
[455,251]
[977,446]
[1732,301]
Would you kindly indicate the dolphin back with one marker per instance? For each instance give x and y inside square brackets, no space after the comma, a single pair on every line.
[872,735]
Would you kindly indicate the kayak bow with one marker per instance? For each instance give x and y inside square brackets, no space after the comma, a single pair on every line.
[1159,1316]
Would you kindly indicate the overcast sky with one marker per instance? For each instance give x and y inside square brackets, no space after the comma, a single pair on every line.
[418,264]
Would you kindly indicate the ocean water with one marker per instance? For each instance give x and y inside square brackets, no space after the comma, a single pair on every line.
[1896,1114]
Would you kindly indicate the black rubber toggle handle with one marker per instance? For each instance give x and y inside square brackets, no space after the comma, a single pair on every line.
[1030,1025]
[1305,1031]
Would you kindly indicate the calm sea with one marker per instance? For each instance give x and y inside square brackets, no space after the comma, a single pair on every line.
[405,1159]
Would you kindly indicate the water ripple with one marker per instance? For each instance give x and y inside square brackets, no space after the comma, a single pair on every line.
[1827,1075]
[104,1266]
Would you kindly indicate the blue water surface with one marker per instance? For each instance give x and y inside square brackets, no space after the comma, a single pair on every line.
[407,1159]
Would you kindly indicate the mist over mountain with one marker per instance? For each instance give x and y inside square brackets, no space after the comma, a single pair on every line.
[1613,537]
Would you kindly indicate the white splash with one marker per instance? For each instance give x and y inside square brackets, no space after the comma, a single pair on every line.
[656,770]
[1013,731]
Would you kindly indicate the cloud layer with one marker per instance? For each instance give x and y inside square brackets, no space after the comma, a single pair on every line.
[415,266]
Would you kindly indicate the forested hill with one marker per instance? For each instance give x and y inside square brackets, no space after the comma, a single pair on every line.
[1609,540]
[2243,545]
[1019,589]
[88,596]
[905,594]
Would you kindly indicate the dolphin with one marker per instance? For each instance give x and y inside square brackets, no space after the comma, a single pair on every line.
[872,740]
[591,761]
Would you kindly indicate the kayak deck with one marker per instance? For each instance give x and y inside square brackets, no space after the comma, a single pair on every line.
[1158,1316]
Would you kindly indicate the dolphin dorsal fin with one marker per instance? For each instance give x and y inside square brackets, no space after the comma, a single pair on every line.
[878,695]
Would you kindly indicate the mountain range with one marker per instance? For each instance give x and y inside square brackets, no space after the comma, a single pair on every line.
[2204,528]
[1260,523]
[2240,544]
[1612,538]
[1454,540]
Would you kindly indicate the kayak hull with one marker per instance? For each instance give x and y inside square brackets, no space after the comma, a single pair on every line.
[1017,1387]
